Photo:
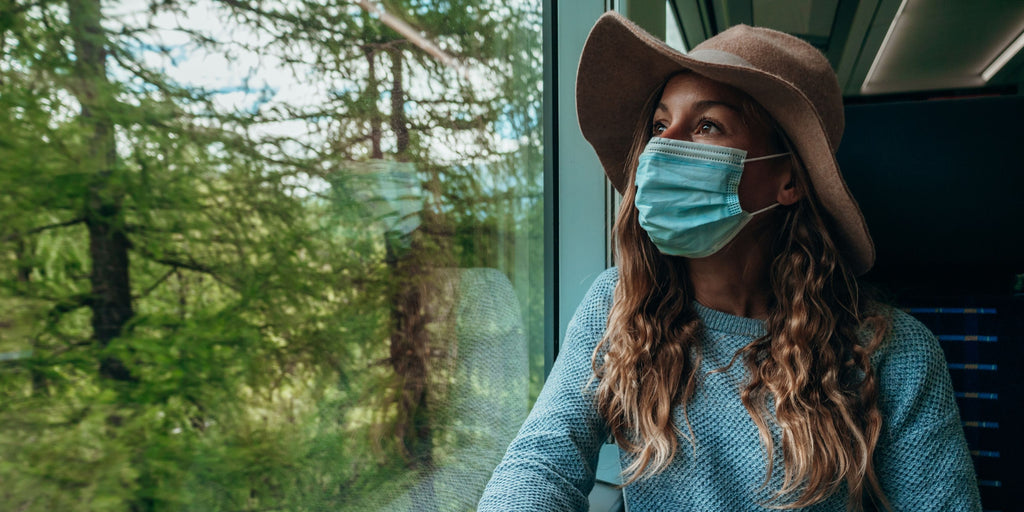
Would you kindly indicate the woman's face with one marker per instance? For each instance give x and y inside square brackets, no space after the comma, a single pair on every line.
[698,109]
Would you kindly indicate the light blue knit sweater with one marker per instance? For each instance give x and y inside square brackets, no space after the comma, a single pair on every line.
[921,459]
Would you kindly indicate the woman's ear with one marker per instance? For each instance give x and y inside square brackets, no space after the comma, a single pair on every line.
[789,190]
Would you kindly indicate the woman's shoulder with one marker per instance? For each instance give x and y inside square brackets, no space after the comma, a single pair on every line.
[915,391]
[907,337]
[910,353]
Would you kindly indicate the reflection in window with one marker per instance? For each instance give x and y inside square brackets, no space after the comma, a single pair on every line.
[267,255]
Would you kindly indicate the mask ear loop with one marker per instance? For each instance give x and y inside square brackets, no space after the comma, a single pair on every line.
[746,160]
[773,205]
[766,208]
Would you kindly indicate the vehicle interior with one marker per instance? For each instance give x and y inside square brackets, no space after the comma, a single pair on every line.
[933,109]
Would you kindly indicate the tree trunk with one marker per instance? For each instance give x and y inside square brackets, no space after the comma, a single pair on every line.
[412,308]
[372,92]
[410,352]
[108,245]
[399,123]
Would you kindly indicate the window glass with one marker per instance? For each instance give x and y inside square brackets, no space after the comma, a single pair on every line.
[275,255]
[673,30]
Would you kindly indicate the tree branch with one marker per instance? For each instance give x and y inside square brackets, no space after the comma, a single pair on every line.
[153,286]
[40,229]
[187,265]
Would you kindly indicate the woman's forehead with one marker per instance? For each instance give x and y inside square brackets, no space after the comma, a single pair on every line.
[691,87]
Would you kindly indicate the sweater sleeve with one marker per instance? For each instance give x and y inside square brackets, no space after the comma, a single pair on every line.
[551,462]
[922,458]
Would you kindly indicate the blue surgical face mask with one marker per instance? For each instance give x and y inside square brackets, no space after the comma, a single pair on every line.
[686,195]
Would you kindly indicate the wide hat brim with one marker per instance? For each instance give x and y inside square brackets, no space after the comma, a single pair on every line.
[622,65]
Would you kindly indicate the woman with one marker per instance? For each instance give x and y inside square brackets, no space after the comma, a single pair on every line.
[731,355]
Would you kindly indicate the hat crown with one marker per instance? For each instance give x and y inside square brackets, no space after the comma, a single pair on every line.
[788,58]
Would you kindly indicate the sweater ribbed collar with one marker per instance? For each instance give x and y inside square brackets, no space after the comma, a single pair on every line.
[729,324]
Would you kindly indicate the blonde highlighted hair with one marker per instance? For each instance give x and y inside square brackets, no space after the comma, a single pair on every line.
[813,363]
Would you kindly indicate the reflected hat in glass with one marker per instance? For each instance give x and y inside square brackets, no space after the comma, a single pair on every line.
[622,65]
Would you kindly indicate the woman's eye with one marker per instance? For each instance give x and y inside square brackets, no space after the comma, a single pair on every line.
[708,128]
[658,128]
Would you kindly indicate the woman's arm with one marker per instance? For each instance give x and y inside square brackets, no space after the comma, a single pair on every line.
[550,464]
[922,458]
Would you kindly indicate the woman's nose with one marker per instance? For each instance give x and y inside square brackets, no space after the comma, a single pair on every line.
[675,131]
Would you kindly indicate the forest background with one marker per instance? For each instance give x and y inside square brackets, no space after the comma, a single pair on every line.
[243,295]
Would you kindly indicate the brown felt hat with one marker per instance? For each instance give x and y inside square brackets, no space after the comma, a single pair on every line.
[622,65]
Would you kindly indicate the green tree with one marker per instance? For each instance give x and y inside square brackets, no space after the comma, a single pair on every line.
[167,290]
[196,314]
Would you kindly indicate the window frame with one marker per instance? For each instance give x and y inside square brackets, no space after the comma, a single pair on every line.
[573,177]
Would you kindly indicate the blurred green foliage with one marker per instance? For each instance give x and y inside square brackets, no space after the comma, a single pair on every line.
[256,352]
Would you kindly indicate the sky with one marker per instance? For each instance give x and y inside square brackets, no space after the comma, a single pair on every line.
[245,80]
[249,81]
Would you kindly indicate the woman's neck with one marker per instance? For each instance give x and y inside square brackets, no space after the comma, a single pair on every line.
[735,280]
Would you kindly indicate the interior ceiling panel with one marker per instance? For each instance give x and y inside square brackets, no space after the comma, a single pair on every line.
[944,45]
[933,45]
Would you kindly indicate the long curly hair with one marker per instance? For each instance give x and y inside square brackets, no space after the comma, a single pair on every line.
[813,363]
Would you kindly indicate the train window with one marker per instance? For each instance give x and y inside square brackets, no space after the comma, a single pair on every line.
[282,255]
